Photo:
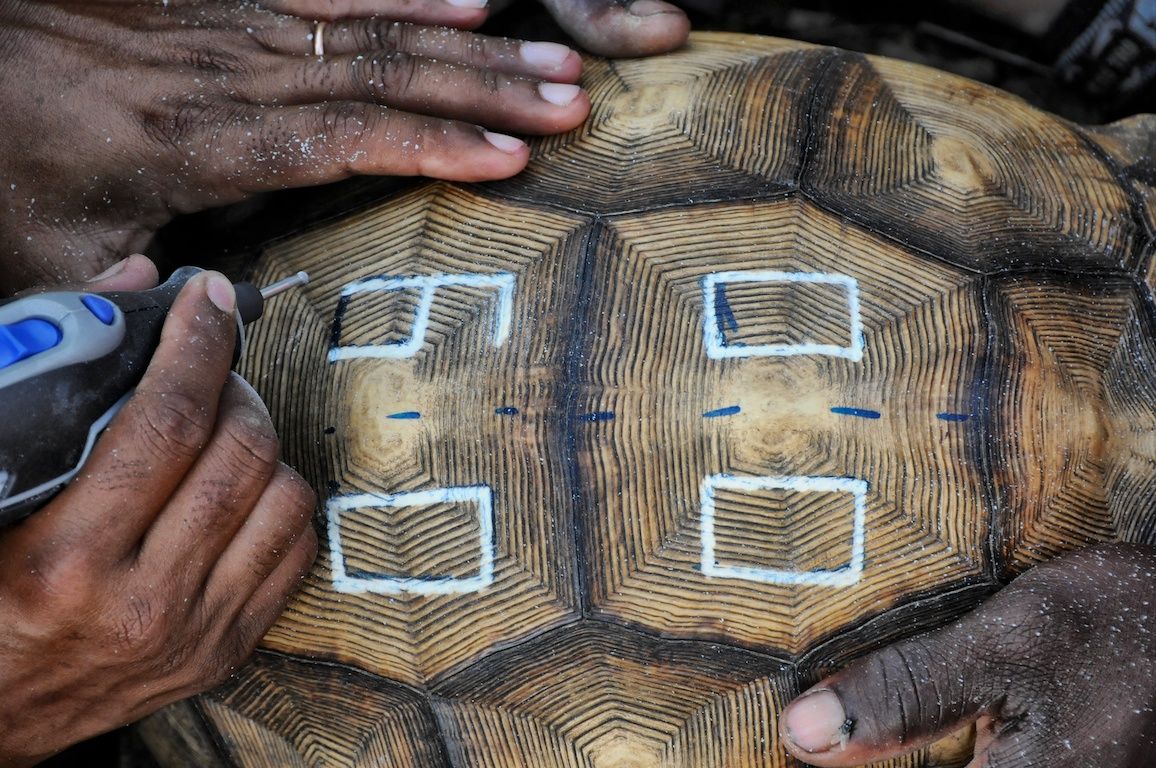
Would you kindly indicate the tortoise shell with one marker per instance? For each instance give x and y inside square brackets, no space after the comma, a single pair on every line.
[787,353]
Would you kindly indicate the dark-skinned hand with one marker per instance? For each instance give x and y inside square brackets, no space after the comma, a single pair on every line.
[619,28]
[153,575]
[1058,670]
[119,115]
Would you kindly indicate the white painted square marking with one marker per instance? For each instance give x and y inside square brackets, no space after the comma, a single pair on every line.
[840,577]
[480,495]
[714,338]
[428,284]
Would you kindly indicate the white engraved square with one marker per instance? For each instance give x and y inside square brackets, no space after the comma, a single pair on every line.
[835,577]
[715,317]
[395,583]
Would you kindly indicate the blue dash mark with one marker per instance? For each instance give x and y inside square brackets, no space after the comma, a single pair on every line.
[598,416]
[953,416]
[404,415]
[506,410]
[862,413]
[730,410]
[722,309]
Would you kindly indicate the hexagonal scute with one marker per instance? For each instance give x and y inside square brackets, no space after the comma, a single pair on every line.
[963,171]
[1073,404]
[599,696]
[721,121]
[293,714]
[1130,145]
[786,435]
[427,405]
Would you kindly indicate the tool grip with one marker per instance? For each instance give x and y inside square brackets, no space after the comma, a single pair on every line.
[54,405]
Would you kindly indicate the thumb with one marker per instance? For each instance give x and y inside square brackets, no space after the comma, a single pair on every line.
[617,29]
[890,703]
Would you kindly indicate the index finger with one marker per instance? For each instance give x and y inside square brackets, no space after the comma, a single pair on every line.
[133,273]
[152,443]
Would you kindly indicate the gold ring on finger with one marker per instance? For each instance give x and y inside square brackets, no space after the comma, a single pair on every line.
[319,39]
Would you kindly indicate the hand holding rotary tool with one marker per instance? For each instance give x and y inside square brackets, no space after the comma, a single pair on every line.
[68,362]
[154,572]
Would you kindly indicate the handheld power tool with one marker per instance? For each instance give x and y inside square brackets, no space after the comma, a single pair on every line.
[69,360]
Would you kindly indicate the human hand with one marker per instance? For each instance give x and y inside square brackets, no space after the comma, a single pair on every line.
[120,115]
[619,28]
[1057,670]
[157,570]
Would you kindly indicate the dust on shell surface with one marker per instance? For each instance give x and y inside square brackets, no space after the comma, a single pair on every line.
[774,328]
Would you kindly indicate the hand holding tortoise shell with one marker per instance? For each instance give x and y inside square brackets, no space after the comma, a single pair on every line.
[119,116]
[1057,670]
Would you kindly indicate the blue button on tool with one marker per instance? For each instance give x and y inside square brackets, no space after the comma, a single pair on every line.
[103,309]
[26,338]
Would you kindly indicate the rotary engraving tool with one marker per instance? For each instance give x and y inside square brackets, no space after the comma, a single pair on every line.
[69,360]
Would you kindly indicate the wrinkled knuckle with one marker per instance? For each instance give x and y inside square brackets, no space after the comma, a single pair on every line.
[479,50]
[265,560]
[175,425]
[345,119]
[263,38]
[140,626]
[492,83]
[252,448]
[397,73]
[174,125]
[214,61]
[382,34]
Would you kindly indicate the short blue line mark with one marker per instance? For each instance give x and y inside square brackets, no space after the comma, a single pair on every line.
[598,416]
[722,309]
[730,410]
[404,415]
[862,413]
[506,410]
[953,416]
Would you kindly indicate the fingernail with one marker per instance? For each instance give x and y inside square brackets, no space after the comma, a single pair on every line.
[221,293]
[815,722]
[561,94]
[648,8]
[468,3]
[116,268]
[545,55]
[508,144]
